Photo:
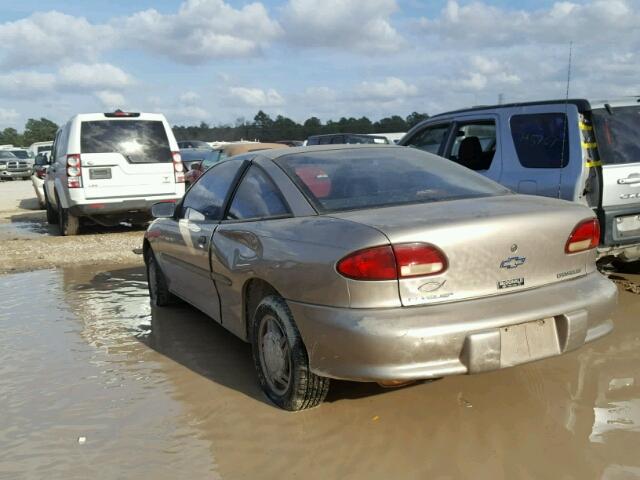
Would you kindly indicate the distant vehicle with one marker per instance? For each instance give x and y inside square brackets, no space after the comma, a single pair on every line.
[37,178]
[23,154]
[576,150]
[193,144]
[37,147]
[377,264]
[202,163]
[345,138]
[12,167]
[228,151]
[110,168]
[195,155]
[393,138]
[291,143]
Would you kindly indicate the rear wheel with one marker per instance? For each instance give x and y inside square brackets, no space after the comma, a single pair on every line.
[69,224]
[52,214]
[159,294]
[281,359]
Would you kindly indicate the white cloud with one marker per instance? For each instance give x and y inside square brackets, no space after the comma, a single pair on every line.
[50,37]
[97,76]
[391,88]
[189,98]
[357,25]
[26,84]
[111,100]
[256,97]
[8,116]
[200,31]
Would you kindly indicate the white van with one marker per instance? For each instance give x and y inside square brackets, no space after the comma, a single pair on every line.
[110,168]
[39,147]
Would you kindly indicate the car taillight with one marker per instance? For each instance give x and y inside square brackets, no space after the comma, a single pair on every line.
[387,262]
[586,236]
[74,171]
[178,168]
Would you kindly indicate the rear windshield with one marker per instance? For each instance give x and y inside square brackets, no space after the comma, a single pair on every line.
[139,141]
[618,134]
[46,148]
[361,178]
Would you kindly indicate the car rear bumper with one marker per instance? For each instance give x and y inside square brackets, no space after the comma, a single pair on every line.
[457,338]
[136,206]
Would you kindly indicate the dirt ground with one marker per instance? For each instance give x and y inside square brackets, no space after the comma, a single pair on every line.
[29,243]
[96,384]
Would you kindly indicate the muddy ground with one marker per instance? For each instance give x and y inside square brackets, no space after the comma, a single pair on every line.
[96,384]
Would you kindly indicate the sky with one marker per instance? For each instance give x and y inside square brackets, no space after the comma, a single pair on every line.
[218,61]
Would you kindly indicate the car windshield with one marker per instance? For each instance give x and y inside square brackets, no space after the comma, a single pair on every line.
[349,179]
[617,134]
[6,155]
[193,154]
[20,153]
[139,141]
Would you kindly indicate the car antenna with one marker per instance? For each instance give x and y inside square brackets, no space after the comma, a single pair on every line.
[565,132]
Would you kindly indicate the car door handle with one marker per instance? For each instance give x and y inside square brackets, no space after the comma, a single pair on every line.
[629,181]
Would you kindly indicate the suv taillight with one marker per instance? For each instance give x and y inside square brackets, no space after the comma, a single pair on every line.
[395,262]
[586,236]
[178,167]
[74,171]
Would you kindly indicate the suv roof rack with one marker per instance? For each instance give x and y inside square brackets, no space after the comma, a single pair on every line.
[582,105]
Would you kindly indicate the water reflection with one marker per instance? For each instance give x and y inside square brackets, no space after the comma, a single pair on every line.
[182,387]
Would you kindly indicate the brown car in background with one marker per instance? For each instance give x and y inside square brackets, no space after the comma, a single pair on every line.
[198,168]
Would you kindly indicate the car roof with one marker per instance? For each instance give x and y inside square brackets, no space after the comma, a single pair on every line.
[346,133]
[277,153]
[87,117]
[582,104]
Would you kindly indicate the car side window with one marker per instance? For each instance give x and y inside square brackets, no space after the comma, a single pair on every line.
[257,197]
[430,139]
[205,200]
[541,139]
[474,145]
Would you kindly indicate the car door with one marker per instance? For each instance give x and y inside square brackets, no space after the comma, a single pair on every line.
[475,143]
[185,251]
[616,131]
[238,244]
[541,150]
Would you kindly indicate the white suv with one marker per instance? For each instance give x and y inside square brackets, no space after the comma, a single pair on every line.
[110,168]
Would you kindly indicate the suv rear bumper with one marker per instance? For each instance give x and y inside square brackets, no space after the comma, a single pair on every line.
[448,339]
[612,235]
[138,206]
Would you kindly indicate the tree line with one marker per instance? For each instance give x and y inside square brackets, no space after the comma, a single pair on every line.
[263,128]
[267,129]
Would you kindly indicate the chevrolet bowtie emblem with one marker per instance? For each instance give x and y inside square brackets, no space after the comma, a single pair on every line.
[513,262]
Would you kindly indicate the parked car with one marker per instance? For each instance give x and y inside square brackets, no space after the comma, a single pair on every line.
[110,168]
[193,144]
[192,156]
[23,154]
[581,151]
[39,147]
[12,167]
[228,151]
[377,263]
[348,138]
[199,165]
[40,167]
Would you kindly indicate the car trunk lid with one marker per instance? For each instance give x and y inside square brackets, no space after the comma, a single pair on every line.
[495,245]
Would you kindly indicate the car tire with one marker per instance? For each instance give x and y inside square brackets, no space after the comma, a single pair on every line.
[52,214]
[68,224]
[159,294]
[281,360]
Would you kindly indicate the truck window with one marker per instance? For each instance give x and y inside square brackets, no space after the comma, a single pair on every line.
[430,139]
[541,139]
[474,145]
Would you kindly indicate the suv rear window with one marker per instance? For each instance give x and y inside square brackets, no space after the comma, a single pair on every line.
[372,177]
[617,134]
[541,139]
[139,141]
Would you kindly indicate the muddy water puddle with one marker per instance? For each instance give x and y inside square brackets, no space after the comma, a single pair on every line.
[95,384]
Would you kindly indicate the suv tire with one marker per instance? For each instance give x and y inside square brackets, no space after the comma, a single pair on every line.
[69,224]
[52,214]
[281,360]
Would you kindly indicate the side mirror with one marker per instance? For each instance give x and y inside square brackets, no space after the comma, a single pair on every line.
[163,210]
